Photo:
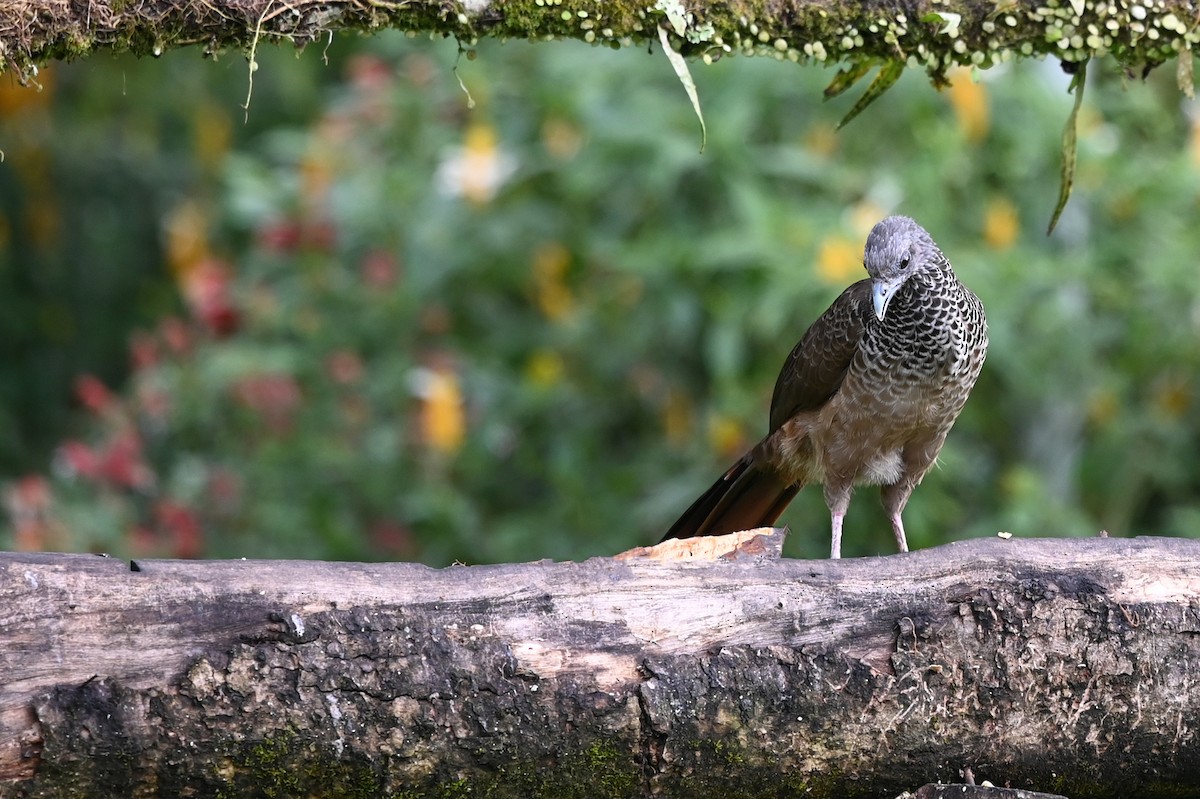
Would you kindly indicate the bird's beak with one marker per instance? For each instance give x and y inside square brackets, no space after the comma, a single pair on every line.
[881,295]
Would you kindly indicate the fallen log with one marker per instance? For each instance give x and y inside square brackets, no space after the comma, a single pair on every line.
[1065,666]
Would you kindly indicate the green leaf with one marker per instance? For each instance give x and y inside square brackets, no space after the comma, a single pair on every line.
[685,77]
[1068,147]
[846,78]
[889,73]
[949,22]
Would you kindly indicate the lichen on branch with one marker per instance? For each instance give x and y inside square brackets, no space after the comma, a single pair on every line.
[924,34]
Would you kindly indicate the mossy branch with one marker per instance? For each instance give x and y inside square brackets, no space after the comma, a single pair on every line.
[933,36]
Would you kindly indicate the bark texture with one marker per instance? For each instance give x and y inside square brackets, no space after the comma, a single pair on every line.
[928,34]
[1066,666]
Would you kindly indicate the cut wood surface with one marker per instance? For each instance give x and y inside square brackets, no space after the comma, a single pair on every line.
[1066,666]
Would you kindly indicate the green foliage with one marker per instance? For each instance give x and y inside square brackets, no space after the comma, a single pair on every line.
[93,157]
[539,327]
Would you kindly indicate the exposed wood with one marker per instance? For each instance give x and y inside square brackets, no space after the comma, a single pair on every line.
[962,791]
[927,34]
[1064,666]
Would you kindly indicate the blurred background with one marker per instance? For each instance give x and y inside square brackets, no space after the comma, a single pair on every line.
[383,315]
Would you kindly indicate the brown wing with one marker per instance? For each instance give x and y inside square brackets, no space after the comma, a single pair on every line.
[753,493]
[818,363]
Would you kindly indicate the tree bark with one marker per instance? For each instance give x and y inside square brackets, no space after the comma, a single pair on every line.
[929,34]
[1055,665]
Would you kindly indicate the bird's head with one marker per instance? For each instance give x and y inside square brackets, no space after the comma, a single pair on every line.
[896,248]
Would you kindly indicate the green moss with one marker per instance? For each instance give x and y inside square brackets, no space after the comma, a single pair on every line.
[614,773]
[281,765]
[454,790]
[599,769]
[1075,785]
[719,752]
[284,765]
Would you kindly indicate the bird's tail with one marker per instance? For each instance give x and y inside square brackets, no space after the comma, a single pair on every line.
[749,495]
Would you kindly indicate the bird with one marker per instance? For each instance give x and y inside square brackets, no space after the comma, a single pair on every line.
[866,397]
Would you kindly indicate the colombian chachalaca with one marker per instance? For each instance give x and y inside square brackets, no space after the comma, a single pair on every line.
[866,397]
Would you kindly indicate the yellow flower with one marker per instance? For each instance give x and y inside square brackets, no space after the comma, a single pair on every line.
[969,100]
[477,169]
[1001,224]
[1172,396]
[1103,407]
[212,136]
[726,436]
[838,258]
[1194,145]
[317,174]
[822,139]
[186,237]
[442,421]
[677,417]
[864,216]
[544,368]
[554,297]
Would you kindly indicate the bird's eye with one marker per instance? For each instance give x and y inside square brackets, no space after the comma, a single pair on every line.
[904,262]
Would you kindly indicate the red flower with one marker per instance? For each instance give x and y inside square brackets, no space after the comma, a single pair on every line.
[118,463]
[288,235]
[94,395]
[370,73]
[344,366]
[206,289]
[182,527]
[143,541]
[143,350]
[154,403]
[28,504]
[320,235]
[393,538]
[175,333]
[33,491]
[76,459]
[282,236]
[274,396]
[121,462]
[224,490]
[379,269]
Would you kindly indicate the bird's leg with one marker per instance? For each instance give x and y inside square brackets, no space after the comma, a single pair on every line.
[898,531]
[837,497]
[895,497]
[835,551]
